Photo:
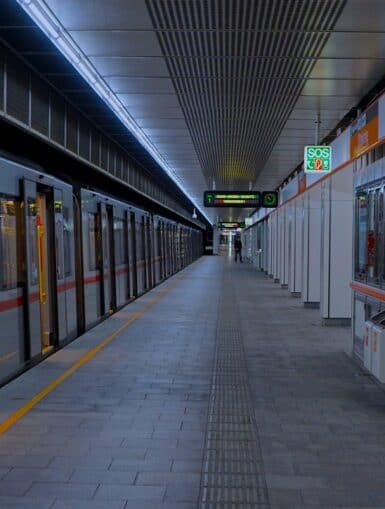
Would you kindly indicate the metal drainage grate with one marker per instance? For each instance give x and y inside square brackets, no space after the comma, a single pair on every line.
[232,472]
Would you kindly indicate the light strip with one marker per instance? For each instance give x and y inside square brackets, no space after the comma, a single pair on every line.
[51,26]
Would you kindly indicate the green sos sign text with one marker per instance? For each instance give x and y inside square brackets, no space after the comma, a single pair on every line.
[317,159]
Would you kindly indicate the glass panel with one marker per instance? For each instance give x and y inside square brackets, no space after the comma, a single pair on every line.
[92,241]
[59,239]
[67,235]
[8,243]
[120,251]
[32,244]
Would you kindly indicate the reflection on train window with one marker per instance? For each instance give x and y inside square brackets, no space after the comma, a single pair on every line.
[32,241]
[67,235]
[8,243]
[120,250]
[92,241]
[59,240]
[139,241]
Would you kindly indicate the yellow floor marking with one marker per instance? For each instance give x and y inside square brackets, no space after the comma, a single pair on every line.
[16,416]
[8,356]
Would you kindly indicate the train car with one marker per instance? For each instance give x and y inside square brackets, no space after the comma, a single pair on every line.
[70,257]
[37,257]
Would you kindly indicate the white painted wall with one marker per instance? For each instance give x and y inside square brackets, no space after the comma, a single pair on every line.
[311,246]
[337,244]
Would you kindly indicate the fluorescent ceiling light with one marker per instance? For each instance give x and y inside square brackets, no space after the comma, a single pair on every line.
[39,11]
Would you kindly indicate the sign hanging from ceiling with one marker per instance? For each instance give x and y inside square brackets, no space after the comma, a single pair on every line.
[232,199]
[246,199]
[270,199]
[317,159]
[228,225]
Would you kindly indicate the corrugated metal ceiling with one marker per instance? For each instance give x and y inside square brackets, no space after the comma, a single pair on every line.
[238,69]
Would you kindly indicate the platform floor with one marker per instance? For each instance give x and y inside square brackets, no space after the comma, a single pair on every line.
[220,391]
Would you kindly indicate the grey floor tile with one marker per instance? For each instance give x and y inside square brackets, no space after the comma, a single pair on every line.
[166,478]
[63,490]
[14,488]
[94,475]
[132,493]
[35,474]
[26,502]
[76,503]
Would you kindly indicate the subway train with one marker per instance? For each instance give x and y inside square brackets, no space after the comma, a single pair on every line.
[69,257]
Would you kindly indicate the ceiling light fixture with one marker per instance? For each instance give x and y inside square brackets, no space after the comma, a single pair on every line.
[51,26]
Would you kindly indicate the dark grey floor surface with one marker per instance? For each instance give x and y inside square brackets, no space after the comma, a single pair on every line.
[224,394]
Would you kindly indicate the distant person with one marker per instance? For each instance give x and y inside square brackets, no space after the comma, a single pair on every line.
[238,248]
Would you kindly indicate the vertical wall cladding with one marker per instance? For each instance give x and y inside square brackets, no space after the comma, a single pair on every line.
[18,81]
[2,78]
[312,243]
[40,102]
[95,148]
[57,123]
[71,130]
[84,140]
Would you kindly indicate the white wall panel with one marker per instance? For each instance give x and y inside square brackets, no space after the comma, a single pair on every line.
[312,245]
[341,149]
[295,245]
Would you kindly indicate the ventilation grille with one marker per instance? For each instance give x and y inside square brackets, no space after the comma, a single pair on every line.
[104,157]
[39,106]
[238,69]
[18,92]
[95,148]
[84,140]
[57,119]
[72,131]
[2,75]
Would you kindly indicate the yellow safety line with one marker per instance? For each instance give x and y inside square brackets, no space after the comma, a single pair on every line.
[16,416]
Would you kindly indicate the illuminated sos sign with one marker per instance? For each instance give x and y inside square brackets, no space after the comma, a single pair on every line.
[317,159]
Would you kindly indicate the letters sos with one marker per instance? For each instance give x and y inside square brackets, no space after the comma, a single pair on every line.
[318,152]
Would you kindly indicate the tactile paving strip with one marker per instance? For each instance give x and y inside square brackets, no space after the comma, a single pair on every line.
[232,473]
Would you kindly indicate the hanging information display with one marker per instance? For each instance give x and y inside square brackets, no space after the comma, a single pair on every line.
[232,199]
[228,225]
[317,159]
[246,199]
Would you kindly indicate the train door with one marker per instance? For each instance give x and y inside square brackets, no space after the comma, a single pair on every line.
[107,259]
[133,257]
[159,248]
[144,253]
[41,316]
[79,265]
[163,242]
[127,247]
[111,250]
[149,228]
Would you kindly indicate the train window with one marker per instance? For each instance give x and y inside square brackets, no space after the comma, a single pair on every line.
[92,241]
[8,243]
[120,250]
[67,236]
[32,241]
[59,239]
